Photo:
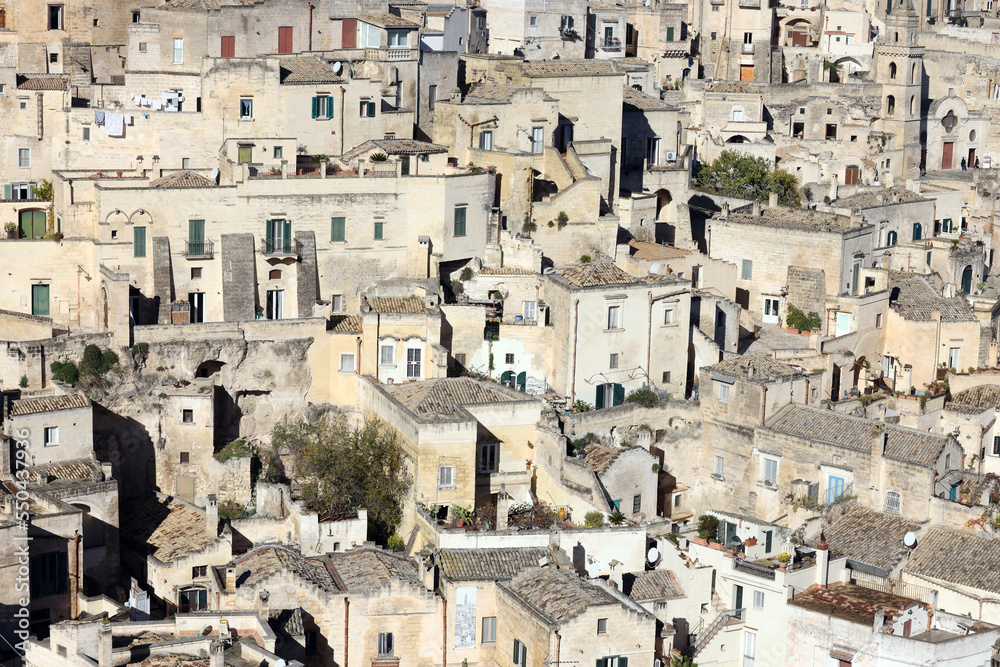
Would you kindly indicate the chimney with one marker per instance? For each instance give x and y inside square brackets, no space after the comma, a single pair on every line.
[725,210]
[503,507]
[833,188]
[212,516]
[756,209]
[263,609]
[217,656]
[104,658]
[772,200]
[230,579]
[822,561]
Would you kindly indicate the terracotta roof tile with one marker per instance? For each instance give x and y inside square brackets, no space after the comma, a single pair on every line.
[255,566]
[440,398]
[183,179]
[636,100]
[368,568]
[307,70]
[654,251]
[488,564]
[597,274]
[505,271]
[78,469]
[654,585]
[757,368]
[875,198]
[405,305]
[849,602]
[27,406]
[345,323]
[958,558]
[552,68]
[912,296]
[866,535]
[163,529]
[976,399]
[559,595]
[796,219]
[42,82]
[490,92]
[600,458]
[387,21]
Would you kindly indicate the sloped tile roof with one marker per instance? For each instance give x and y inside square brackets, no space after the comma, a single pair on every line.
[654,251]
[490,92]
[849,602]
[345,323]
[183,179]
[912,296]
[162,529]
[958,558]
[488,564]
[909,444]
[307,70]
[597,274]
[28,317]
[255,566]
[876,198]
[394,147]
[367,568]
[387,21]
[77,469]
[559,595]
[27,406]
[636,100]
[756,368]
[440,398]
[655,585]
[795,219]
[865,535]
[600,458]
[287,622]
[42,82]
[505,271]
[404,305]
[549,68]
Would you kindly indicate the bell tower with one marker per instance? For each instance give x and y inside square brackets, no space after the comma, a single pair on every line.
[899,67]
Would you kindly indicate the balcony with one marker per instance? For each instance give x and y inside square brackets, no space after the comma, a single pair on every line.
[199,249]
[747,48]
[753,569]
[280,248]
[394,53]
[611,44]
[751,4]
[385,662]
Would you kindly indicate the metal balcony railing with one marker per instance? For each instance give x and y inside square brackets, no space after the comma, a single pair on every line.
[611,44]
[280,248]
[199,249]
[753,569]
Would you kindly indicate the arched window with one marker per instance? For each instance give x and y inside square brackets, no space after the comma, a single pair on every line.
[913,73]
[3,17]
[892,70]
[890,105]
[913,104]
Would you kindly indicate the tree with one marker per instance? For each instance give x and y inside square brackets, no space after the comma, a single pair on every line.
[344,468]
[746,177]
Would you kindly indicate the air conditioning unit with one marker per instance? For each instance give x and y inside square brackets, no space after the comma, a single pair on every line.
[671,156]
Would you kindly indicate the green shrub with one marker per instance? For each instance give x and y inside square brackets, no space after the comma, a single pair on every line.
[466,275]
[585,258]
[24,382]
[65,371]
[230,510]
[644,397]
[799,320]
[235,449]
[96,363]
[582,406]
[707,526]
[580,443]
[616,518]
[593,519]
[378,157]
[396,543]
[562,219]
[673,538]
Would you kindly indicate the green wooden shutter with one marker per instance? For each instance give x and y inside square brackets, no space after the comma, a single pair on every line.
[619,396]
[600,662]
[338,230]
[767,541]
[269,236]
[517,650]
[524,655]
[599,400]
[505,377]
[460,220]
[8,191]
[40,300]
[329,107]
[522,380]
[622,661]
[139,241]
[739,594]
[670,34]
[287,236]
[371,109]
[316,106]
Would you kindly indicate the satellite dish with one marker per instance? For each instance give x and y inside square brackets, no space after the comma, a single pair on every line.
[653,555]
[593,570]
[910,539]
[215,173]
[655,268]
[280,662]
[337,67]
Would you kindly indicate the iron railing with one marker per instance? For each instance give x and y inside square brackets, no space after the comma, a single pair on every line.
[199,249]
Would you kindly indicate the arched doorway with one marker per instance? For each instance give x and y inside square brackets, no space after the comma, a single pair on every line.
[663,198]
[737,139]
[967,280]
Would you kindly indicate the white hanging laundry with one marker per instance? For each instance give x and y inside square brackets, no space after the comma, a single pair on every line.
[114,124]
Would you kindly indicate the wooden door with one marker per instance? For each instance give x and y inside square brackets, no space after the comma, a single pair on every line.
[851,175]
[348,33]
[972,158]
[228,46]
[285,39]
[946,154]
[800,38]
[245,154]
[746,72]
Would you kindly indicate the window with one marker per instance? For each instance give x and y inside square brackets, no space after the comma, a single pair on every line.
[228,49]
[55,17]
[460,359]
[636,504]
[347,363]
[446,477]
[385,644]
[746,272]
[187,416]
[530,310]
[533,21]
[135,16]
[613,361]
[720,466]
[668,316]
[285,39]
[996,445]
[399,39]
[199,571]
[488,457]
[178,50]
[509,358]
[338,303]
[489,629]
[758,599]
[371,36]
[185,457]
[614,317]
[279,152]
[486,140]
[520,650]
[614,660]
[139,241]
[460,212]
[246,108]
[715,35]
[666,377]
[322,106]
[387,354]
[831,131]
[537,140]
[53,57]
[24,157]
[86,134]
[142,47]
[22,103]
[565,22]
[432,99]
[602,626]
[60,649]
[891,503]
[367,109]
[338,229]
[737,115]
[947,462]
[953,358]
[195,272]
[413,355]
[770,477]
[51,435]
[723,393]
[945,225]
[379,231]
[49,574]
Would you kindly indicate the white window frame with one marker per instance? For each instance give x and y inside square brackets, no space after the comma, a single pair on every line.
[24,158]
[613,361]
[387,354]
[737,114]
[247,103]
[446,477]
[771,309]
[652,151]
[614,317]
[720,467]
[386,645]
[370,37]
[488,450]
[414,363]
[347,362]
[764,479]
[486,140]
[178,50]
[337,303]
[758,599]
[530,309]
[51,436]
[723,392]
[668,317]
[489,623]
[394,39]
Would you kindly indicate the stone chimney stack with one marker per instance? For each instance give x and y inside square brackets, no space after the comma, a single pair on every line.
[756,209]
[217,656]
[725,210]
[212,516]
[833,188]
[230,579]
[772,200]
[503,507]
[104,644]
[822,561]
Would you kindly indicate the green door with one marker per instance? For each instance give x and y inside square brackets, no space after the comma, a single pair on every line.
[730,534]
[609,34]
[40,300]
[599,398]
[522,380]
[405,165]
[196,237]
[619,395]
[32,224]
[739,597]
[967,280]
[245,154]
[767,541]
[505,378]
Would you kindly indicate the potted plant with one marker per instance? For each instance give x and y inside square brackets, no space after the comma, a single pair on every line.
[783,559]
[10,228]
[527,464]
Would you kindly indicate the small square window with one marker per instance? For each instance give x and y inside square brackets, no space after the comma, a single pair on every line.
[24,158]
[142,47]
[533,21]
[510,358]
[51,435]
[185,457]
[460,359]
[614,317]
[379,231]
[279,152]
[135,17]
[187,416]
[347,363]
[97,23]
[829,112]
[60,649]
[387,354]
[274,274]
[602,626]
[715,36]
[53,57]
[86,134]
[636,504]
[195,272]
[337,303]
[854,138]
[246,108]
[22,104]
[446,477]
[114,234]
[199,571]
[613,361]
[668,316]
[802,111]
[666,377]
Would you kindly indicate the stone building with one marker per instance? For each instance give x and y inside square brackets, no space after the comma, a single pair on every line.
[57,427]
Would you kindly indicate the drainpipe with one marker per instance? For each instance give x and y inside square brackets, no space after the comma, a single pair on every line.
[559,639]
[74,603]
[378,352]
[311,8]
[806,401]
[444,633]
[649,341]
[347,626]
[576,323]
[763,406]
[982,432]
[343,94]
[357,365]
